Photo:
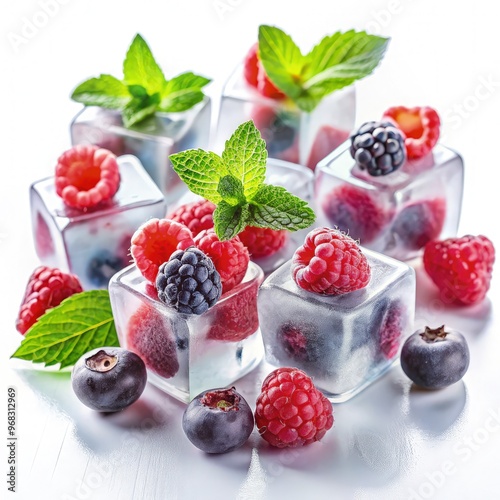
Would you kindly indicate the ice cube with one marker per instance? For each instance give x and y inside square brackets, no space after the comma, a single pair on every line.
[290,134]
[93,244]
[187,354]
[347,341]
[151,140]
[395,214]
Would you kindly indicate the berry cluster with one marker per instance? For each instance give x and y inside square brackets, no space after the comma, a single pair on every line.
[290,412]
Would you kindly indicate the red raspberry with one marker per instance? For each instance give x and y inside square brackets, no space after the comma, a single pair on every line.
[150,337]
[355,212]
[236,318]
[197,215]
[461,267]
[420,126]
[290,410]
[327,139]
[262,241]
[230,257]
[86,175]
[47,287]
[330,262]
[391,330]
[255,75]
[155,241]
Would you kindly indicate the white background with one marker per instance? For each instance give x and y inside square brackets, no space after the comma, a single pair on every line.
[388,443]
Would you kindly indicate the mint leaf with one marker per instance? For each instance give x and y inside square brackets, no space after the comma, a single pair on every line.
[140,67]
[201,171]
[182,92]
[337,61]
[276,208]
[229,220]
[282,60]
[231,190]
[139,108]
[79,324]
[245,156]
[235,184]
[105,91]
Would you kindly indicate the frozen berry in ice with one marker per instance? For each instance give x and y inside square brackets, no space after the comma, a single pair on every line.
[434,358]
[356,212]
[109,379]
[420,222]
[218,421]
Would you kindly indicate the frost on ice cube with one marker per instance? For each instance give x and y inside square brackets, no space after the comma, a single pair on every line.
[347,341]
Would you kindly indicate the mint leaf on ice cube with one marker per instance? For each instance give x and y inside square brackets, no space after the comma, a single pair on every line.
[140,67]
[201,171]
[63,334]
[229,220]
[276,208]
[282,59]
[245,156]
[144,89]
[337,61]
[182,92]
[105,91]
[235,183]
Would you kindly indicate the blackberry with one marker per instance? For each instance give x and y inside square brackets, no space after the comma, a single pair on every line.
[378,147]
[189,282]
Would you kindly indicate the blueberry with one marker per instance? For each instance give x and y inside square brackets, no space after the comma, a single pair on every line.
[435,358]
[102,266]
[109,379]
[420,222]
[218,421]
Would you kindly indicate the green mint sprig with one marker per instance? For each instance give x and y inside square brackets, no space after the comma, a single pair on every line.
[235,183]
[63,334]
[337,61]
[144,89]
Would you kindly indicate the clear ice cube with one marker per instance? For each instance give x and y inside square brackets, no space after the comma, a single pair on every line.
[152,140]
[395,214]
[290,134]
[187,354]
[344,342]
[93,244]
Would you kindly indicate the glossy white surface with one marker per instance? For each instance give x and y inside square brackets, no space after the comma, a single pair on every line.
[390,442]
